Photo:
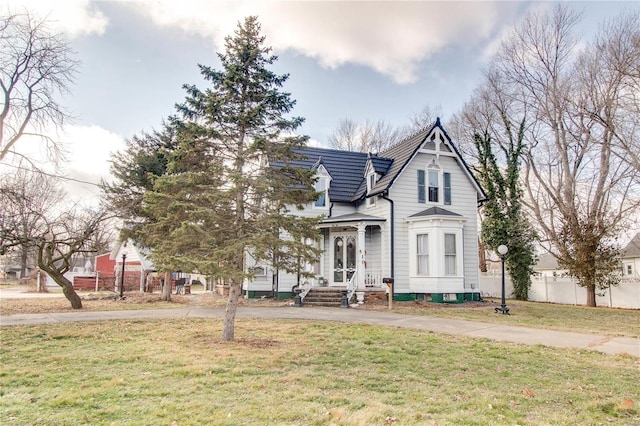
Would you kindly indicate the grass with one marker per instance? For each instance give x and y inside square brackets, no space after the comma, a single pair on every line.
[601,320]
[300,373]
[104,301]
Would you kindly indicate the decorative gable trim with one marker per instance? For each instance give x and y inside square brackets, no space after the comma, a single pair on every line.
[435,133]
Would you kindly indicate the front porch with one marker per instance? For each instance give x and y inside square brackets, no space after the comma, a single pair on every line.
[354,251]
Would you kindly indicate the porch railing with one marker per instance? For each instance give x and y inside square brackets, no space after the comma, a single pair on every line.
[373,278]
[306,286]
[352,285]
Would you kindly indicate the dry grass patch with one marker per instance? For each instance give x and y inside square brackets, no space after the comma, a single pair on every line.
[300,373]
[600,320]
[106,301]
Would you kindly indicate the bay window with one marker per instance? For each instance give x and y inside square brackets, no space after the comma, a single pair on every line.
[422,252]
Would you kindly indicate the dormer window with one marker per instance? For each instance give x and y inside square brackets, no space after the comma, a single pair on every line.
[371,181]
[322,187]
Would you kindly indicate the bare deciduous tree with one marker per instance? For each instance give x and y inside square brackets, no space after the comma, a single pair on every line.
[369,136]
[25,197]
[62,237]
[36,67]
[422,118]
[33,221]
[579,186]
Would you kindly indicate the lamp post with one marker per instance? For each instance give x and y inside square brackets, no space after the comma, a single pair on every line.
[502,251]
[124,258]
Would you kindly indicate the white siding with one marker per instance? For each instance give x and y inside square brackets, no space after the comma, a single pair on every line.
[404,193]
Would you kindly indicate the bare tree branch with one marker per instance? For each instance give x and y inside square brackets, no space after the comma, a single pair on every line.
[36,67]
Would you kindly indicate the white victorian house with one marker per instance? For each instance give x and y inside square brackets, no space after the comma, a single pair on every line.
[409,213]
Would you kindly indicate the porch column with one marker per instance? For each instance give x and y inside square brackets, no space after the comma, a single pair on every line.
[384,256]
[361,255]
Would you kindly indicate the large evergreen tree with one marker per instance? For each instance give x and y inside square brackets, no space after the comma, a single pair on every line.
[218,200]
[135,170]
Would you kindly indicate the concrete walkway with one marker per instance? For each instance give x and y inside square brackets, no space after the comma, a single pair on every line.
[497,332]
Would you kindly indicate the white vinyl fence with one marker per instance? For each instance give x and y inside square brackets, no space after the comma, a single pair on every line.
[564,290]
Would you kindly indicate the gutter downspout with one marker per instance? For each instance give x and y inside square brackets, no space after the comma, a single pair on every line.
[385,197]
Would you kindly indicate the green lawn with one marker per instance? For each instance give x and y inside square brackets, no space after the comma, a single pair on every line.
[300,373]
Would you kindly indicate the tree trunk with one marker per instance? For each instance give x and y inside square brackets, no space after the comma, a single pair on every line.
[230,312]
[166,289]
[24,256]
[67,289]
[482,256]
[591,296]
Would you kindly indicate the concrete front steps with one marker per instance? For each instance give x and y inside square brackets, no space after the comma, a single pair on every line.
[324,296]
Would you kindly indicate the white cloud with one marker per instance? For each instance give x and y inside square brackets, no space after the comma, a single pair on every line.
[71,17]
[390,37]
[88,150]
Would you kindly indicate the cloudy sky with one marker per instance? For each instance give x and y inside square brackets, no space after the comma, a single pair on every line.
[361,60]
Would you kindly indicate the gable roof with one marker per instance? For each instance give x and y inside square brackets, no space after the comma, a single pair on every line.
[546,261]
[403,152]
[633,248]
[345,167]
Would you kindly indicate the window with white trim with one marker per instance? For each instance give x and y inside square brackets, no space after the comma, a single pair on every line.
[434,186]
[259,271]
[371,181]
[436,249]
[450,252]
[422,254]
[320,186]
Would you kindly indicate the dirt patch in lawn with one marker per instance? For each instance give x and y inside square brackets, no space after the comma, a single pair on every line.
[107,301]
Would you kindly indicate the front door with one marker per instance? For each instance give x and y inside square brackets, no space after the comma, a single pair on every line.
[343,254]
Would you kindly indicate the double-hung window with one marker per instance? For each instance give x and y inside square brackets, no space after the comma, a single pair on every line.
[422,250]
[432,188]
[450,253]
[434,185]
[446,181]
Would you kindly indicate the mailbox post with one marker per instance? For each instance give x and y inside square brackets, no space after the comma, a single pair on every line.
[389,283]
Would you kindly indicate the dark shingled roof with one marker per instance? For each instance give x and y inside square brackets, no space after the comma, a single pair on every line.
[345,167]
[400,153]
[435,211]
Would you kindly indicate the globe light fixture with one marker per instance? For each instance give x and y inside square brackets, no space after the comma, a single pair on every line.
[502,251]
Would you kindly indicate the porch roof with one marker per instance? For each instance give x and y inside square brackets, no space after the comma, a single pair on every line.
[435,211]
[353,217]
